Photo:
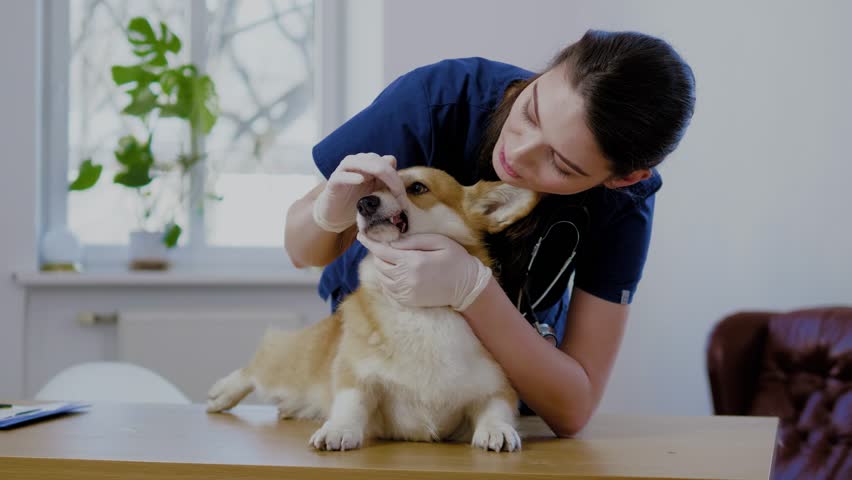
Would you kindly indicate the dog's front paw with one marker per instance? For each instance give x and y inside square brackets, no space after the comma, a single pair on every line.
[337,437]
[228,392]
[497,436]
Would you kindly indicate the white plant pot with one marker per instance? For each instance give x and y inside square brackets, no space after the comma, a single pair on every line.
[61,251]
[147,251]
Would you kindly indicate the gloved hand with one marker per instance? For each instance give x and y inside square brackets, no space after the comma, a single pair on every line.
[428,270]
[356,176]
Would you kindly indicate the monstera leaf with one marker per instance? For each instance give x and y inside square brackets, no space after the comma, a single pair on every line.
[87,176]
[142,102]
[122,75]
[205,103]
[192,97]
[137,160]
[170,238]
[146,45]
[142,99]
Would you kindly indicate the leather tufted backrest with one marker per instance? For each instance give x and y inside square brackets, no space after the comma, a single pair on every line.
[796,366]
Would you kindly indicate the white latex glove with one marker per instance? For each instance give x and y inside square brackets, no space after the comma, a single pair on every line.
[356,176]
[428,270]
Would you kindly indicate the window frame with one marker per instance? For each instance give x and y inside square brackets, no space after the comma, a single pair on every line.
[196,254]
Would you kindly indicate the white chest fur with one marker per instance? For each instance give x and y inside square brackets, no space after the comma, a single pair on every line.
[430,368]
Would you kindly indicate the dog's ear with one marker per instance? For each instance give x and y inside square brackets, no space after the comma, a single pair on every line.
[496,205]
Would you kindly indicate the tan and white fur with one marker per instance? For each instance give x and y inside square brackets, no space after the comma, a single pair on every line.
[378,369]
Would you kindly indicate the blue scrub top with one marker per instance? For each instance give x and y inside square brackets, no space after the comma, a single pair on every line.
[435,116]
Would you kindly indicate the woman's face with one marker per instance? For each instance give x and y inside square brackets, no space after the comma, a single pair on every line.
[545,144]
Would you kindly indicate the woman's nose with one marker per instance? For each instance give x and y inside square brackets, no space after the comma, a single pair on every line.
[525,147]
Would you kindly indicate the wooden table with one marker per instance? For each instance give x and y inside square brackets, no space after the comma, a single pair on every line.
[139,441]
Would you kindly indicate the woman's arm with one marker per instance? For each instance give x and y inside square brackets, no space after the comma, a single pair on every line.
[563,386]
[306,243]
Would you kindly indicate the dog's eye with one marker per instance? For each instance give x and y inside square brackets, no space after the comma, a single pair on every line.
[417,188]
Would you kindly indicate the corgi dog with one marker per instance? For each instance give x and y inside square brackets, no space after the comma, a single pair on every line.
[378,369]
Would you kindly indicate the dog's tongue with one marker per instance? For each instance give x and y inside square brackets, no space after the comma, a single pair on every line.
[397,218]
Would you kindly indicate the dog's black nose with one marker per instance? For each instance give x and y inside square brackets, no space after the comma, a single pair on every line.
[368,205]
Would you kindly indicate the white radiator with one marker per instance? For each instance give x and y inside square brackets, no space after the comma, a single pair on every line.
[193,349]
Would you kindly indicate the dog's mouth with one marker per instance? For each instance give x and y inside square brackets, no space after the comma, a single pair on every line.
[398,220]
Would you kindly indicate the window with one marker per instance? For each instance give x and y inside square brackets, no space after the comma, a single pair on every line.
[275,105]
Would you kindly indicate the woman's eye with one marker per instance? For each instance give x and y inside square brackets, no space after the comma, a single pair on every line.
[556,164]
[417,188]
[526,113]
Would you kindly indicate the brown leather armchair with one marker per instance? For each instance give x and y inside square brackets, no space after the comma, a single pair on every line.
[796,366]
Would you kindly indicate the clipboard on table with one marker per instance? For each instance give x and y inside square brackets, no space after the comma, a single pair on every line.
[15,414]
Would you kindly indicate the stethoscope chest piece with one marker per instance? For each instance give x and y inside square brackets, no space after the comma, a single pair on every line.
[546,331]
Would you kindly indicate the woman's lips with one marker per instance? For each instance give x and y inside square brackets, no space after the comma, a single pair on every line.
[505,164]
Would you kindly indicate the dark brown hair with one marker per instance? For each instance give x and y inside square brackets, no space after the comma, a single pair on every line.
[639,96]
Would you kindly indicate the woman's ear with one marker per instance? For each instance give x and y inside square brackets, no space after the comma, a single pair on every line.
[498,205]
[631,178]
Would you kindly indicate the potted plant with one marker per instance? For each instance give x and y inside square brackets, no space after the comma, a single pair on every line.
[158,87]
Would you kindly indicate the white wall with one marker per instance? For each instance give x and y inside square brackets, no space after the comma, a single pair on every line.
[418,33]
[753,213]
[19,113]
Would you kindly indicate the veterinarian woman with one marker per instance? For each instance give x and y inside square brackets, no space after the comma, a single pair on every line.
[588,131]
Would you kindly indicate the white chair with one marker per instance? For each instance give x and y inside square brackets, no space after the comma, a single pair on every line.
[111,382]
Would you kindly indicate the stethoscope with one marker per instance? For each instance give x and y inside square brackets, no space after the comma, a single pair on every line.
[545,330]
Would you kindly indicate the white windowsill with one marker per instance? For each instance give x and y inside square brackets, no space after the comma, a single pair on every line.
[297,278]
